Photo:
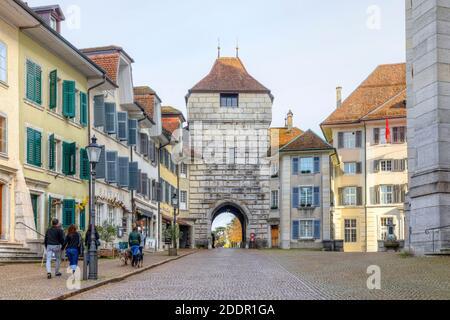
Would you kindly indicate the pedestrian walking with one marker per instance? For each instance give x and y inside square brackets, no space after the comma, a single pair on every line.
[54,240]
[87,241]
[134,240]
[143,240]
[73,246]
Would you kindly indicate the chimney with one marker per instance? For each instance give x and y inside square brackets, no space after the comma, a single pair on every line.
[290,120]
[338,97]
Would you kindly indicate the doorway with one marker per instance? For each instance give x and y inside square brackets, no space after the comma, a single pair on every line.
[34,205]
[275,231]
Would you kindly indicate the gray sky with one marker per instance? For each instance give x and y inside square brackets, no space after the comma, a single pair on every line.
[299,49]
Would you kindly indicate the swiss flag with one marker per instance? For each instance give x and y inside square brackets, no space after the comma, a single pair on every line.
[388,132]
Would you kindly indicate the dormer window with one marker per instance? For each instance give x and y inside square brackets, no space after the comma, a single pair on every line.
[229,100]
[53,24]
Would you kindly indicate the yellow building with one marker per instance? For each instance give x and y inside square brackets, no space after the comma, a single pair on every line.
[174,178]
[54,85]
[369,181]
[9,121]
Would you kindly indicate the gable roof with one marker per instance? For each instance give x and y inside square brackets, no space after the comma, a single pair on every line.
[168,112]
[228,74]
[279,137]
[385,83]
[393,108]
[108,58]
[306,142]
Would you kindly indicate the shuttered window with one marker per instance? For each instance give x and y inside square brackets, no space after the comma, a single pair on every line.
[144,184]
[52,152]
[143,144]
[399,134]
[99,111]
[110,118]
[133,176]
[132,132]
[34,147]
[69,99]
[69,159]
[34,82]
[316,197]
[122,126]
[317,229]
[111,166]
[53,90]
[83,219]
[84,165]
[124,172]
[101,165]
[295,197]
[295,166]
[83,109]
[295,230]
[68,213]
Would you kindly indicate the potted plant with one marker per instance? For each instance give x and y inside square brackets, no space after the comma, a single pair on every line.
[173,233]
[107,234]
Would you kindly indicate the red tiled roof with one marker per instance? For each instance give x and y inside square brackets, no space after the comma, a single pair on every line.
[307,141]
[229,75]
[171,124]
[145,96]
[109,63]
[393,108]
[282,136]
[384,84]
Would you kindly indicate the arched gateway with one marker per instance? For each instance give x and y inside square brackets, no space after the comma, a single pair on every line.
[236,209]
[229,115]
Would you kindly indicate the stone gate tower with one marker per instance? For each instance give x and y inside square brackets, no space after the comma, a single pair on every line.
[229,115]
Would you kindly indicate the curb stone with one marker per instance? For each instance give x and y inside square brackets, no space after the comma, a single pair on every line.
[119,278]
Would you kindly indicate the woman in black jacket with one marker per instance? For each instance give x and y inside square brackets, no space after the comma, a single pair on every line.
[73,246]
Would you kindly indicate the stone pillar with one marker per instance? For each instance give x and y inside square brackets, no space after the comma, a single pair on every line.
[428,77]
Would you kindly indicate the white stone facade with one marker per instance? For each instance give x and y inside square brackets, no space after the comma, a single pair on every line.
[218,176]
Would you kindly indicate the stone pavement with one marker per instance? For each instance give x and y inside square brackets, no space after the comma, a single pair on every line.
[29,281]
[278,275]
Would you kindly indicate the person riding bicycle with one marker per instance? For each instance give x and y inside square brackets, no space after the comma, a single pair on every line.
[134,240]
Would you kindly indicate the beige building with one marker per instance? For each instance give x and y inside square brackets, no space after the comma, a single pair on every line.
[300,188]
[370,178]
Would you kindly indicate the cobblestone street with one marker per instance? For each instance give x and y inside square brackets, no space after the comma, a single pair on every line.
[275,274]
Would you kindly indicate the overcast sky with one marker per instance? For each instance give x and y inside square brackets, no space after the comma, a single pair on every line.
[299,49]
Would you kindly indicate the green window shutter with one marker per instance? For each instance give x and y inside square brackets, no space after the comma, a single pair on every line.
[83,109]
[84,165]
[83,219]
[69,99]
[38,84]
[53,89]
[66,158]
[68,213]
[73,159]
[30,146]
[51,152]
[37,148]
[30,81]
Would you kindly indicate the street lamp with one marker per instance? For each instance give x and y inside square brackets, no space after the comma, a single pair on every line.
[94,152]
[174,238]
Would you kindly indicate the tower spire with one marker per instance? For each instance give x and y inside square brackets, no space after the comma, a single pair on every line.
[218,47]
[237,48]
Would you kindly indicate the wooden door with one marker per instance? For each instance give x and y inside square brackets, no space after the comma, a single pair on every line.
[275,236]
[34,204]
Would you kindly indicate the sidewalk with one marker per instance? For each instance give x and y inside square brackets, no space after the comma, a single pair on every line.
[29,281]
